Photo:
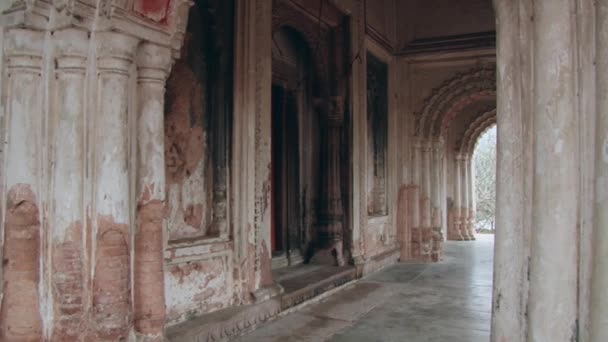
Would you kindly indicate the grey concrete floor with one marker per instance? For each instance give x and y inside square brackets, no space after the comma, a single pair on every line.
[446,301]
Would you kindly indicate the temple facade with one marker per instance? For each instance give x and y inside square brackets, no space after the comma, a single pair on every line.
[187,170]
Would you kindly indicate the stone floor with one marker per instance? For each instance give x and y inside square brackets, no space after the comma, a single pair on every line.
[447,301]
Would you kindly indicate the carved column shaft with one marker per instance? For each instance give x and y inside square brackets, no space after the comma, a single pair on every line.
[425,202]
[512,160]
[67,172]
[20,313]
[469,191]
[456,208]
[552,304]
[111,285]
[414,202]
[599,300]
[426,185]
[435,200]
[436,184]
[153,64]
[464,201]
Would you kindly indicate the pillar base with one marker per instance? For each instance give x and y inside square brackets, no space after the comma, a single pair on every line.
[437,244]
[328,253]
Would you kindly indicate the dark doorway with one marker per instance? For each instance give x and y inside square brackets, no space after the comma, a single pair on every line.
[285,176]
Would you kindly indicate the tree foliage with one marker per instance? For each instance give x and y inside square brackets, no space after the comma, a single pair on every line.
[484,159]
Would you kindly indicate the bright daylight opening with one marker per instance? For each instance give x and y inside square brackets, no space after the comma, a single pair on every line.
[484,168]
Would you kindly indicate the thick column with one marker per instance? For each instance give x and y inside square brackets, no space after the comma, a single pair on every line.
[149,293]
[599,283]
[358,79]
[552,305]
[414,202]
[464,193]
[20,313]
[436,200]
[425,199]
[111,284]
[67,173]
[425,202]
[470,197]
[331,214]
[513,157]
[436,184]
[455,231]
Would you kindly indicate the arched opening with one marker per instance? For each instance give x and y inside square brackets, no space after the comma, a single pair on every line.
[484,181]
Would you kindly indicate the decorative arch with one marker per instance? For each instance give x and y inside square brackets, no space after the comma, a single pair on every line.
[476,129]
[453,95]
[315,34]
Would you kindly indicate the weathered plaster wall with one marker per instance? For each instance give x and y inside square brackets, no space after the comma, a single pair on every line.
[71,200]
[198,280]
[188,162]
[199,257]
[379,234]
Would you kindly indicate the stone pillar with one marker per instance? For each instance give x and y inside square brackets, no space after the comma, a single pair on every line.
[414,202]
[436,184]
[358,108]
[111,284]
[552,304]
[331,213]
[469,190]
[425,202]
[464,200]
[455,231]
[20,318]
[436,200]
[599,283]
[513,165]
[153,64]
[473,195]
[67,173]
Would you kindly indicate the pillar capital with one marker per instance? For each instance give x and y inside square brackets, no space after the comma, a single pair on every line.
[71,49]
[153,62]
[24,48]
[115,51]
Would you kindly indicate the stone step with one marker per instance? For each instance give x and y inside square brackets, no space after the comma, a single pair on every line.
[307,285]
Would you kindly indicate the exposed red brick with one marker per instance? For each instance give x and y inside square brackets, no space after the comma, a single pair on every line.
[68,287]
[182,271]
[111,285]
[193,215]
[265,265]
[184,137]
[155,10]
[149,306]
[147,193]
[20,315]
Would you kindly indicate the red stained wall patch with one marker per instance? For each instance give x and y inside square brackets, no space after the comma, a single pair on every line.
[155,10]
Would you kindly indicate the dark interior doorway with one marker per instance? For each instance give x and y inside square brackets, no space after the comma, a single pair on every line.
[285,176]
